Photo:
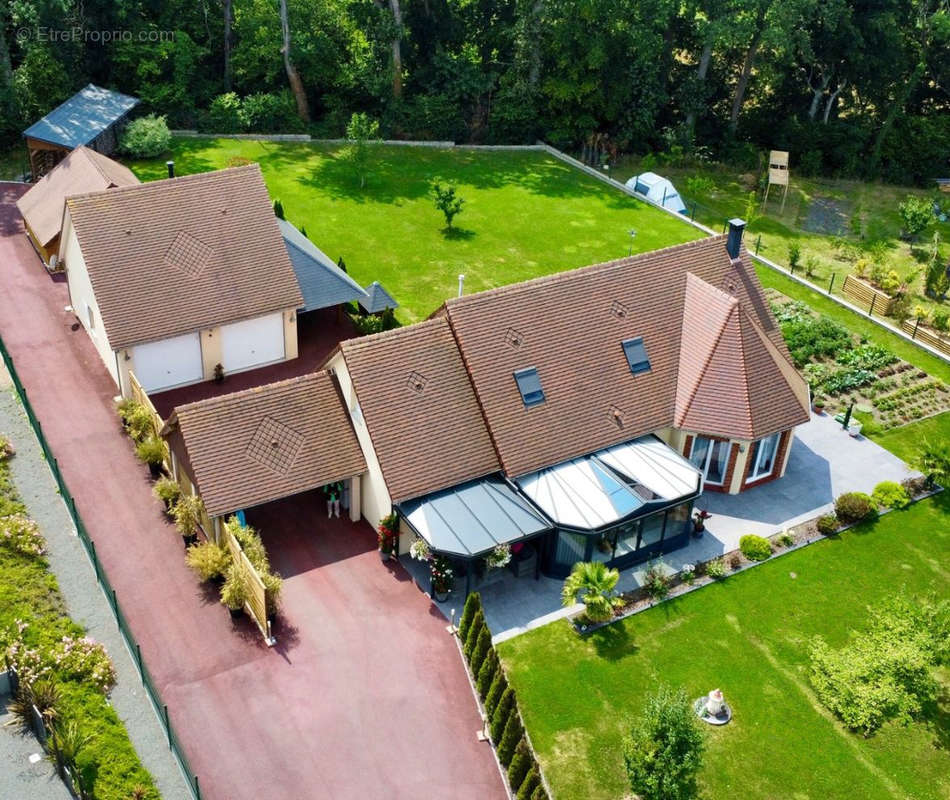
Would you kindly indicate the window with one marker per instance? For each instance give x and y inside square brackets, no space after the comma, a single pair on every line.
[762,457]
[90,317]
[636,355]
[711,457]
[529,384]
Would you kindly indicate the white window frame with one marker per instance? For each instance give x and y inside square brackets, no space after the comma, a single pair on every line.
[90,317]
[755,474]
[708,460]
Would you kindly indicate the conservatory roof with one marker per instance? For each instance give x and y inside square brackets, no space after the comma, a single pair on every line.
[473,518]
[607,486]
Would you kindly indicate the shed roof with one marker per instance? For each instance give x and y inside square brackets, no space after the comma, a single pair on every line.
[377,299]
[322,283]
[262,444]
[177,255]
[82,117]
[81,172]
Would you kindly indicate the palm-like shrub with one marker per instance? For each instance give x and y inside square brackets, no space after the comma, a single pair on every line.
[596,583]
[167,490]
[151,450]
[933,460]
[234,593]
[187,512]
[208,560]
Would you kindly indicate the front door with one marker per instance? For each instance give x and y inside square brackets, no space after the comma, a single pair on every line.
[711,457]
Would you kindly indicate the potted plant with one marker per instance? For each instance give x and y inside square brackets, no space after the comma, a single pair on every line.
[387,534]
[700,515]
[273,584]
[187,513]
[168,491]
[419,549]
[498,557]
[209,561]
[234,591]
[440,571]
[818,404]
[152,451]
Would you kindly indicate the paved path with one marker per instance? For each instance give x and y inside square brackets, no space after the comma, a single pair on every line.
[366,699]
[25,774]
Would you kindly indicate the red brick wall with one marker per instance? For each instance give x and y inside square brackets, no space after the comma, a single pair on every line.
[779,460]
[730,467]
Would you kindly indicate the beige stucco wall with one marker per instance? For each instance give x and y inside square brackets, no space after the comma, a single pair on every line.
[375,501]
[290,334]
[81,296]
[210,351]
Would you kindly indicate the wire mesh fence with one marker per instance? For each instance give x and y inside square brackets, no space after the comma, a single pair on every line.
[161,709]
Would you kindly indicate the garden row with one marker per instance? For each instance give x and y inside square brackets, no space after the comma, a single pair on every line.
[505,726]
[61,676]
[210,561]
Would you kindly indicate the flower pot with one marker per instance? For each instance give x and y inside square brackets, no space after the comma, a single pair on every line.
[235,612]
[441,595]
[820,410]
[189,539]
[155,470]
[384,555]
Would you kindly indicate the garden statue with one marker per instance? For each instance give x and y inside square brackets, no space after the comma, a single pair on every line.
[713,708]
[715,703]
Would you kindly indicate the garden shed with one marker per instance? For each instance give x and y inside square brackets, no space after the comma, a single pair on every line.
[658,189]
[91,117]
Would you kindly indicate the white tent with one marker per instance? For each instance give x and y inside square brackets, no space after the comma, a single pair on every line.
[659,190]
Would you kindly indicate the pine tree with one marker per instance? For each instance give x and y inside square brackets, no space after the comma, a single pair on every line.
[471,635]
[472,604]
[303,231]
[498,686]
[500,717]
[520,765]
[486,674]
[531,782]
[510,737]
[482,646]
[278,209]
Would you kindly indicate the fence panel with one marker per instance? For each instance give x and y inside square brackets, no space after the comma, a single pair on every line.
[256,592]
[927,336]
[866,297]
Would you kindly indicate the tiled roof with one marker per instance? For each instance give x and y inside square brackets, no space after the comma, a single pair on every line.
[733,380]
[81,172]
[322,283]
[377,299]
[82,117]
[269,442]
[173,256]
[571,327]
[419,407]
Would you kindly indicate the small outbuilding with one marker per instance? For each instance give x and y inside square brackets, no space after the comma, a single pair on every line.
[658,189]
[377,299]
[91,117]
[83,171]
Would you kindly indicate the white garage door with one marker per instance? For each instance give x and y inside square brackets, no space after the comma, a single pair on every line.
[252,342]
[170,362]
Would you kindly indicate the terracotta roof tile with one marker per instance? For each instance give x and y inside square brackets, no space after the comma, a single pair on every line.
[272,441]
[173,256]
[418,404]
[81,172]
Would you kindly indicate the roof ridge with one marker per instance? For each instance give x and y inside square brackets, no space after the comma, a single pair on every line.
[251,390]
[163,183]
[96,164]
[372,338]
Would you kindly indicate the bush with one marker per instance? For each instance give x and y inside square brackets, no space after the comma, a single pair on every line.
[500,716]
[827,524]
[794,255]
[270,113]
[472,603]
[187,513]
[539,793]
[21,535]
[889,494]
[664,750]
[146,137]
[486,674]
[854,507]
[735,561]
[167,490]
[531,782]
[480,651]
[916,214]
[136,419]
[755,548]
[716,569]
[366,324]
[208,560]
[472,634]
[234,591]
[886,671]
[224,115]
[520,765]
[151,450]
[655,582]
[510,737]
[498,686]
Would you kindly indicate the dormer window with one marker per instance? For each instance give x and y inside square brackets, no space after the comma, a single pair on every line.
[529,384]
[636,354]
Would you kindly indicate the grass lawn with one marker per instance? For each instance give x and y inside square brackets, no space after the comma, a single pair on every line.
[748,635]
[525,214]
[904,442]
[14,162]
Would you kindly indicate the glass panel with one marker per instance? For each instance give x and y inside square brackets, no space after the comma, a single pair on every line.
[604,546]
[677,518]
[570,548]
[626,537]
[699,452]
[765,456]
[718,462]
[651,529]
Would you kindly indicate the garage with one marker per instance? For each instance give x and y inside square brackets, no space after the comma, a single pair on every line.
[169,362]
[252,343]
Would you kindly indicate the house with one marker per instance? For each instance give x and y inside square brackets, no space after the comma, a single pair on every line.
[582,412]
[178,280]
[83,171]
[263,444]
[92,117]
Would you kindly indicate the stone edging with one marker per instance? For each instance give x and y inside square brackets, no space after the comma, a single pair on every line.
[706,580]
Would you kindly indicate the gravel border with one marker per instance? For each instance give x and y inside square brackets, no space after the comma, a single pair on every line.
[85,602]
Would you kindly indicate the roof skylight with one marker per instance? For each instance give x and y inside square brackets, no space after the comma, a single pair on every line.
[636,355]
[529,384]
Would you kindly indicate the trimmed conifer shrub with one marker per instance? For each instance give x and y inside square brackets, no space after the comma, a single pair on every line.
[473,603]
[482,646]
[471,635]
[539,792]
[510,737]
[520,765]
[529,784]
[486,674]
[498,686]
[500,717]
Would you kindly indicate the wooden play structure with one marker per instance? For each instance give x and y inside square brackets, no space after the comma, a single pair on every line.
[778,174]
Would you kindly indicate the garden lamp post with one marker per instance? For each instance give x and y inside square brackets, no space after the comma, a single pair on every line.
[847,416]
[633,235]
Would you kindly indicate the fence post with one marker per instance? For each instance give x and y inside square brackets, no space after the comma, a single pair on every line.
[916,325]
[758,241]
[138,656]
[115,606]
[95,561]
[831,283]
[168,729]
[197,790]
[873,301]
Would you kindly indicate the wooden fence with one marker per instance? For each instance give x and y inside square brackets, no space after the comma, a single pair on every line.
[139,395]
[866,297]
[256,604]
[921,334]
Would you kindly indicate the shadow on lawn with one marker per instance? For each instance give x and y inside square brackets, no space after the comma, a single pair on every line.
[458,234]
[613,642]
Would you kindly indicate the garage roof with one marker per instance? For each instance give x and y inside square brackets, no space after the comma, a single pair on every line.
[259,445]
[82,117]
[322,283]
[177,255]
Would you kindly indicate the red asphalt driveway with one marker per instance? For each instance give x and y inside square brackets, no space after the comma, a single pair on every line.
[364,695]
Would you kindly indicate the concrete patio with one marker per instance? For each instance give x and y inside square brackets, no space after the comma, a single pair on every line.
[824,462]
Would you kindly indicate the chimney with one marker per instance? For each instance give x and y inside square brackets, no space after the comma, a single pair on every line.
[171,168]
[736,226]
